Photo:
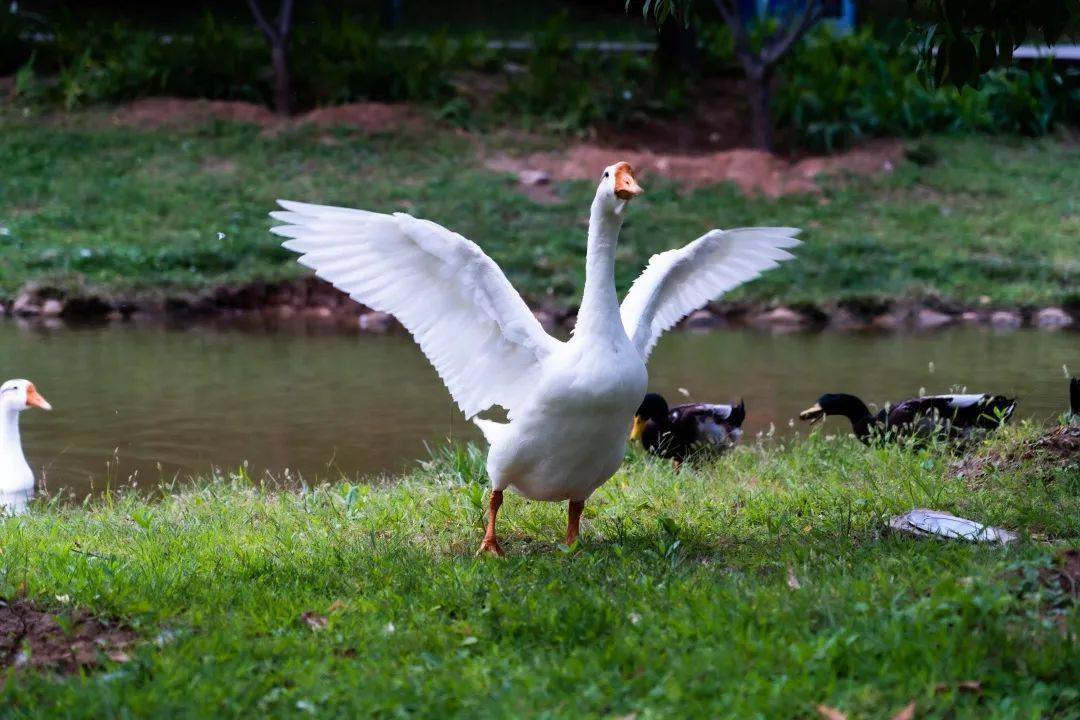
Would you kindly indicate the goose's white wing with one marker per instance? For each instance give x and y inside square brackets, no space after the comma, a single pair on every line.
[475,329]
[677,282]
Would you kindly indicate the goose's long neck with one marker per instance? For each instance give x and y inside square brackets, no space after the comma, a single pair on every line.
[10,443]
[600,304]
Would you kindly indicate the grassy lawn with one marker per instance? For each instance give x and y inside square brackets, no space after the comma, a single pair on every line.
[679,603]
[122,211]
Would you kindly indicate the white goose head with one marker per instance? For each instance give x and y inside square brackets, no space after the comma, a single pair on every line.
[617,187]
[19,395]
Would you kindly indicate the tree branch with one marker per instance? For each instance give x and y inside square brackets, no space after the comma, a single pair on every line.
[268,30]
[730,12]
[813,12]
[285,21]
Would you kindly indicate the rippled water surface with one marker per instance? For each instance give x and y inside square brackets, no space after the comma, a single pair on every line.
[161,402]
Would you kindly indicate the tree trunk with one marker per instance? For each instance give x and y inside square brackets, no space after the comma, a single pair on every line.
[279,58]
[759,92]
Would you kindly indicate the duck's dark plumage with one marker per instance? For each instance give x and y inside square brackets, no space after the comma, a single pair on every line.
[1074,397]
[952,416]
[675,433]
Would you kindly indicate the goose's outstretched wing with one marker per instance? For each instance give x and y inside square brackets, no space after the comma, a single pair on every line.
[473,326]
[677,282]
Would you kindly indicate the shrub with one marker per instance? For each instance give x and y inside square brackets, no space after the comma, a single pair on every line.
[840,89]
[565,88]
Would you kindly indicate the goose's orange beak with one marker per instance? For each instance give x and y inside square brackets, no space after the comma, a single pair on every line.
[626,186]
[35,399]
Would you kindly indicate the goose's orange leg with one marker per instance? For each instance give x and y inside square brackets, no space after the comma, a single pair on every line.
[490,545]
[573,520]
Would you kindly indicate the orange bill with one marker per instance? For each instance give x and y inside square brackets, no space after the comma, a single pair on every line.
[35,399]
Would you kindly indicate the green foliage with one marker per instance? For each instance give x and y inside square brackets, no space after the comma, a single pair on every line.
[962,40]
[336,60]
[566,89]
[757,586]
[840,89]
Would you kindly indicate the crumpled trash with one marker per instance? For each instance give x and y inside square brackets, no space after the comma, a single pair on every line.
[922,522]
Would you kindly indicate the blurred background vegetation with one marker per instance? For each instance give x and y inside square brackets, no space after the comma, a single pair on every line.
[539,64]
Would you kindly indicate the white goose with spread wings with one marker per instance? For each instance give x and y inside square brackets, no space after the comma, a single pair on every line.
[490,350]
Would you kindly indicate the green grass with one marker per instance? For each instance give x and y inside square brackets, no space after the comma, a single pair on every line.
[677,603]
[126,212]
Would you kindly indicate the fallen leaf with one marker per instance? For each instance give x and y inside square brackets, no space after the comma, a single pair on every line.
[315,621]
[792,581]
[830,713]
[336,606]
[908,713]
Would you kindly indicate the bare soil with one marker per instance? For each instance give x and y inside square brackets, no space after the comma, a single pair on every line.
[1057,448]
[1065,574]
[717,119]
[157,113]
[34,639]
[755,172]
[680,149]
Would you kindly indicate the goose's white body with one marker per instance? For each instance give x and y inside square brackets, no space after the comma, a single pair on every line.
[570,436]
[570,404]
[16,477]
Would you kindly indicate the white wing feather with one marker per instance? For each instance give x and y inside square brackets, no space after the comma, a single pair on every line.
[473,326]
[677,282]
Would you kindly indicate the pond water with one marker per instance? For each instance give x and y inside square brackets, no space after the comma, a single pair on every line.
[158,402]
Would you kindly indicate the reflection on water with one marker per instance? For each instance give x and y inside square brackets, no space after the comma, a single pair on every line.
[158,403]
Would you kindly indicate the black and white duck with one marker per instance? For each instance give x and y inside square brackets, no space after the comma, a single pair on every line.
[676,433]
[948,417]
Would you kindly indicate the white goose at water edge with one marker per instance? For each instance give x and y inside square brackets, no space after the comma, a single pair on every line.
[16,477]
[569,404]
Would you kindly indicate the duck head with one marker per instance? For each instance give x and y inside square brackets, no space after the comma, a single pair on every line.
[738,415]
[617,187]
[849,406]
[19,395]
[655,408]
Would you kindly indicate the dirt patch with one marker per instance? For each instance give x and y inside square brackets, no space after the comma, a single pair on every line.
[35,639]
[1058,448]
[1061,443]
[157,113]
[753,171]
[1064,575]
[717,119]
[169,112]
[372,117]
